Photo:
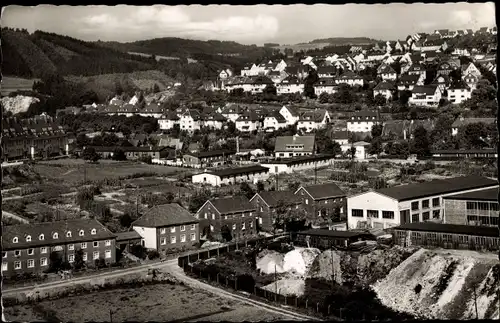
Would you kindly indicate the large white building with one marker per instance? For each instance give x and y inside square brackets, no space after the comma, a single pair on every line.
[228,176]
[363,121]
[420,202]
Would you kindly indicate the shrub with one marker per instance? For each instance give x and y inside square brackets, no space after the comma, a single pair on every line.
[153,254]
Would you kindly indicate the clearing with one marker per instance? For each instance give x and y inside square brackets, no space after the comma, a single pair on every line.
[149,303]
[12,84]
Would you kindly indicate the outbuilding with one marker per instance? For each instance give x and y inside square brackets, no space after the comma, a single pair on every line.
[232,175]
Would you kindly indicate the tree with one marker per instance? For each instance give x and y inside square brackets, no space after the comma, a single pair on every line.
[79,262]
[55,261]
[246,190]
[420,144]
[260,186]
[473,135]
[345,94]
[324,97]
[156,88]
[205,143]
[375,147]
[377,130]
[336,149]
[293,186]
[119,154]
[225,232]
[311,79]
[404,97]
[125,220]
[379,100]
[198,199]
[89,154]
[351,152]
[270,90]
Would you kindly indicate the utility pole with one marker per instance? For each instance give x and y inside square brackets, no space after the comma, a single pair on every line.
[275,279]
[475,302]
[333,272]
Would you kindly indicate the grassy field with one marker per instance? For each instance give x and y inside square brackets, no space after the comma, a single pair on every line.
[12,84]
[148,303]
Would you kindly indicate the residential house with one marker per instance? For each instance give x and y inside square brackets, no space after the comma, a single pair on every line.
[360,149]
[266,203]
[211,158]
[166,227]
[249,121]
[299,163]
[462,122]
[224,74]
[323,202]
[260,83]
[419,202]
[408,82]
[471,80]
[471,69]
[479,208]
[131,152]
[312,120]
[175,143]
[459,92]
[350,78]
[41,136]
[274,121]
[327,71]
[442,81]
[234,214]
[291,146]
[232,112]
[341,137]
[152,110]
[291,84]
[363,121]
[249,70]
[213,120]
[190,120]
[387,73]
[276,76]
[384,88]
[446,68]
[291,114]
[229,176]
[417,69]
[30,248]
[325,85]
[425,95]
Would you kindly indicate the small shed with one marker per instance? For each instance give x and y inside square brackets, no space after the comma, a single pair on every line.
[124,240]
[326,239]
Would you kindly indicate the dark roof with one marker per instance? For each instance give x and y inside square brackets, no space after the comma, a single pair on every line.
[386,69]
[465,151]
[129,235]
[425,89]
[248,116]
[335,233]
[213,153]
[37,127]
[483,195]
[232,204]
[316,116]
[126,149]
[436,187]
[273,197]
[34,230]
[408,79]
[239,171]
[450,228]
[165,215]
[323,191]
[283,141]
[340,135]
[298,160]
[278,116]
[384,85]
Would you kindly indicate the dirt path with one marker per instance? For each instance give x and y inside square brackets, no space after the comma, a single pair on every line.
[69,172]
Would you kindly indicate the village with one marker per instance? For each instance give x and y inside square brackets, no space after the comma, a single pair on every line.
[389,159]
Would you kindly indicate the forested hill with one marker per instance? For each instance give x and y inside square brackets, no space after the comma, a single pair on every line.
[345,41]
[40,54]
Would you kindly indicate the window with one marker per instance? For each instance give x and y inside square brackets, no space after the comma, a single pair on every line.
[172,230]
[425,216]
[436,214]
[95,255]
[234,226]
[213,216]
[82,233]
[415,217]
[261,209]
[84,256]
[41,237]
[387,214]
[243,226]
[225,217]
[17,265]
[173,239]
[183,238]
[71,258]
[357,213]
[28,239]
[242,215]
[193,237]
[193,226]
[17,253]
[183,228]
[372,213]
[71,247]
[307,201]
[425,204]
[163,230]
[251,224]
[96,244]
[93,231]
[107,243]
[68,234]
[84,245]
[206,216]
[31,251]
[107,254]
[5,266]
[163,241]
[55,235]
[414,205]
[4,254]
[15,240]
[435,202]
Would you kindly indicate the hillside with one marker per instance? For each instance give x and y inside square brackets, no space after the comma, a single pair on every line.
[339,41]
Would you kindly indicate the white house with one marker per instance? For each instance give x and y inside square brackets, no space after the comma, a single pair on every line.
[291,146]
[191,120]
[290,85]
[420,202]
[313,120]
[408,82]
[417,69]
[169,121]
[326,85]
[224,74]
[459,93]
[250,70]
[290,114]
[341,137]
[387,73]
[213,120]
[350,78]
[247,122]
[385,89]
[274,122]
[232,112]
[327,72]
[248,174]
[152,110]
[426,95]
[361,147]
[471,80]
[362,121]
[471,69]
[298,164]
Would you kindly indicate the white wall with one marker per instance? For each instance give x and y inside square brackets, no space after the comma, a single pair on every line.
[166,124]
[205,178]
[372,201]
[148,236]
[361,126]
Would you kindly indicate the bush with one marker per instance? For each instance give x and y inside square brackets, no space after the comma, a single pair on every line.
[138,251]
[153,254]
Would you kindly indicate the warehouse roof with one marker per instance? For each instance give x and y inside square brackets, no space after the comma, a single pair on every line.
[322,191]
[165,215]
[334,233]
[450,228]
[228,172]
[483,195]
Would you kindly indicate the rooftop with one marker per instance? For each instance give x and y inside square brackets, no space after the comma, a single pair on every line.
[450,228]
[334,233]
[232,204]
[228,172]
[283,141]
[165,215]
[272,198]
[323,191]
[483,195]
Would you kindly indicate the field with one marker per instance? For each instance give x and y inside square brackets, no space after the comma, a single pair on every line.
[149,303]
[12,84]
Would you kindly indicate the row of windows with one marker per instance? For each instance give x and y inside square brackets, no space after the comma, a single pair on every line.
[234,227]
[173,239]
[425,204]
[43,250]
[415,217]
[172,229]
[462,239]
[482,220]
[358,213]
[55,235]
[30,263]
[234,216]
[473,207]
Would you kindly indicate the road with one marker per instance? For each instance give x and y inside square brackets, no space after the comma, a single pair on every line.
[172,268]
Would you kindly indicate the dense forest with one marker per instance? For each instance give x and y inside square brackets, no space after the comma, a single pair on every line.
[336,41]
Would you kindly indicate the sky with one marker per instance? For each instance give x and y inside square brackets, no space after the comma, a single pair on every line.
[256,24]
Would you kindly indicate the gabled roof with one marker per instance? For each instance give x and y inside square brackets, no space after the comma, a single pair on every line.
[316,116]
[165,215]
[350,75]
[386,69]
[323,191]
[459,85]
[233,109]
[214,116]
[294,111]
[425,89]
[21,231]
[384,85]
[407,79]
[471,230]
[213,153]
[229,172]
[416,68]
[272,198]
[233,204]
[262,80]
[283,141]
[277,116]
[327,69]
[248,116]
[436,187]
